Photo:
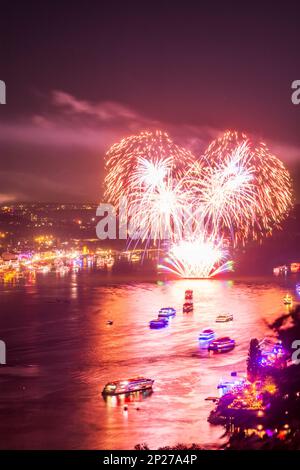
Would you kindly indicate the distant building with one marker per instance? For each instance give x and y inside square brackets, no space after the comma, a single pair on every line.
[9,256]
[287,268]
[295,267]
[280,270]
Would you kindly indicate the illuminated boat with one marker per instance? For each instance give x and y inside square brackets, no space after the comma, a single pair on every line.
[295,267]
[222,344]
[158,323]
[224,318]
[166,312]
[188,294]
[187,307]
[287,299]
[207,335]
[225,386]
[298,288]
[127,386]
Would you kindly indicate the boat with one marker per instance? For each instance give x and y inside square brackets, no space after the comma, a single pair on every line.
[224,317]
[298,288]
[207,335]
[158,323]
[187,307]
[279,270]
[295,267]
[167,312]
[221,344]
[287,299]
[127,386]
[109,322]
[225,386]
[188,294]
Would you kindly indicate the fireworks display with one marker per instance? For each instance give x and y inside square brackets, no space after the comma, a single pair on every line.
[236,191]
[244,191]
[142,161]
[201,258]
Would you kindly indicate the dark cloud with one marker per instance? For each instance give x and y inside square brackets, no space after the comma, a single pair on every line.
[58,154]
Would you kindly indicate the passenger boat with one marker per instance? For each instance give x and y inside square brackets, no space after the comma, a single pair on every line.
[188,294]
[222,344]
[224,318]
[287,299]
[158,323]
[225,386]
[167,312]
[188,307]
[127,386]
[207,335]
[298,288]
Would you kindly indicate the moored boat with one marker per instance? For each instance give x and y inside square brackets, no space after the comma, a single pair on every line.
[225,386]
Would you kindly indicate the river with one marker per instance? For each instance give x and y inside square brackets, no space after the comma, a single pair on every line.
[61,352]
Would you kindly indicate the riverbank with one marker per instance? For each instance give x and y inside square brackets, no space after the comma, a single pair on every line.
[276,394]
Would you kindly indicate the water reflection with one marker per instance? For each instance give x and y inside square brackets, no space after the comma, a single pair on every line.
[124,398]
[76,352]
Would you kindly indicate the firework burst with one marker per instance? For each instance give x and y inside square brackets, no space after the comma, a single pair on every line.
[244,191]
[236,191]
[156,213]
[202,258]
[141,161]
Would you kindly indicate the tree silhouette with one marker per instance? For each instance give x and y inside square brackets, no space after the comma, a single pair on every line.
[253,361]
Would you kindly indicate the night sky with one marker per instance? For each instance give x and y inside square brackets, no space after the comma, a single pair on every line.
[81,75]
